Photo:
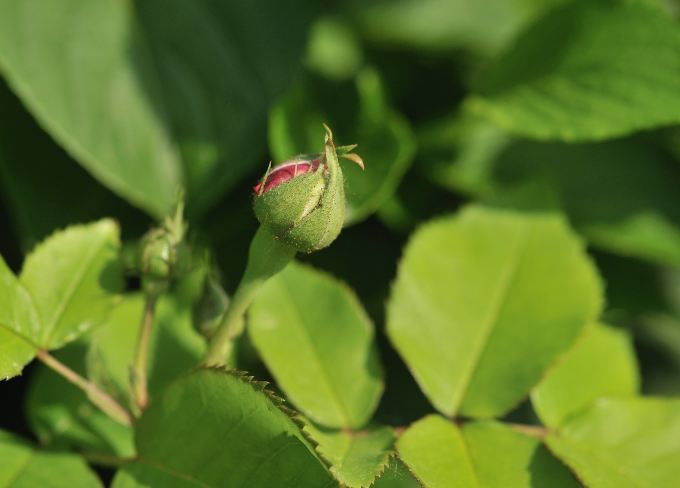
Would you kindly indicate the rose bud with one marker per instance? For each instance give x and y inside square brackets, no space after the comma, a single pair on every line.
[302,201]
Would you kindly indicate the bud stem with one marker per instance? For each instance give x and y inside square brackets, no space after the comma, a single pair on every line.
[266,257]
[138,381]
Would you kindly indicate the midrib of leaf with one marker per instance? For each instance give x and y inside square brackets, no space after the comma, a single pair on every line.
[594,454]
[468,459]
[162,467]
[19,335]
[317,359]
[70,291]
[496,307]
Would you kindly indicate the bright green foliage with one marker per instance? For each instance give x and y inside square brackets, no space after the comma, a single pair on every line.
[386,143]
[434,450]
[484,301]
[18,323]
[587,71]
[154,106]
[503,457]
[68,284]
[317,341]
[602,363]
[481,454]
[111,347]
[356,459]
[73,278]
[214,428]
[21,466]
[623,443]
[61,415]
[453,336]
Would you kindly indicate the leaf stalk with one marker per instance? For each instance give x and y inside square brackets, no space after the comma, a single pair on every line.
[97,396]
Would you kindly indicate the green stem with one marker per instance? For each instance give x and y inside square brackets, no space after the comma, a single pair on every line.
[97,396]
[138,381]
[266,257]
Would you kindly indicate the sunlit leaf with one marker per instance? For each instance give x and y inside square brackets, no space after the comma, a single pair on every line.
[356,459]
[73,278]
[602,363]
[484,301]
[317,340]
[621,443]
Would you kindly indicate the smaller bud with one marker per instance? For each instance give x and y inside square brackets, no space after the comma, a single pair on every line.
[302,201]
[162,252]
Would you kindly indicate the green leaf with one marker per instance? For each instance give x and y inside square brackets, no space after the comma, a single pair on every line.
[385,140]
[21,466]
[73,277]
[317,341]
[32,164]
[356,459]
[622,195]
[481,454]
[112,346]
[18,323]
[237,434]
[143,103]
[60,414]
[434,450]
[503,457]
[602,363]
[484,301]
[587,71]
[621,443]
[396,475]
[482,26]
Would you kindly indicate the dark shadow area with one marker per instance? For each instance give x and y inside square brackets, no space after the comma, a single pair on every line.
[435,77]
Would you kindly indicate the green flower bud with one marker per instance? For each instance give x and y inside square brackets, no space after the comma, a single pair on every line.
[162,252]
[302,201]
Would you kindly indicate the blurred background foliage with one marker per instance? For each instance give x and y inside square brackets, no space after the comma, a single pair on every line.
[108,106]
